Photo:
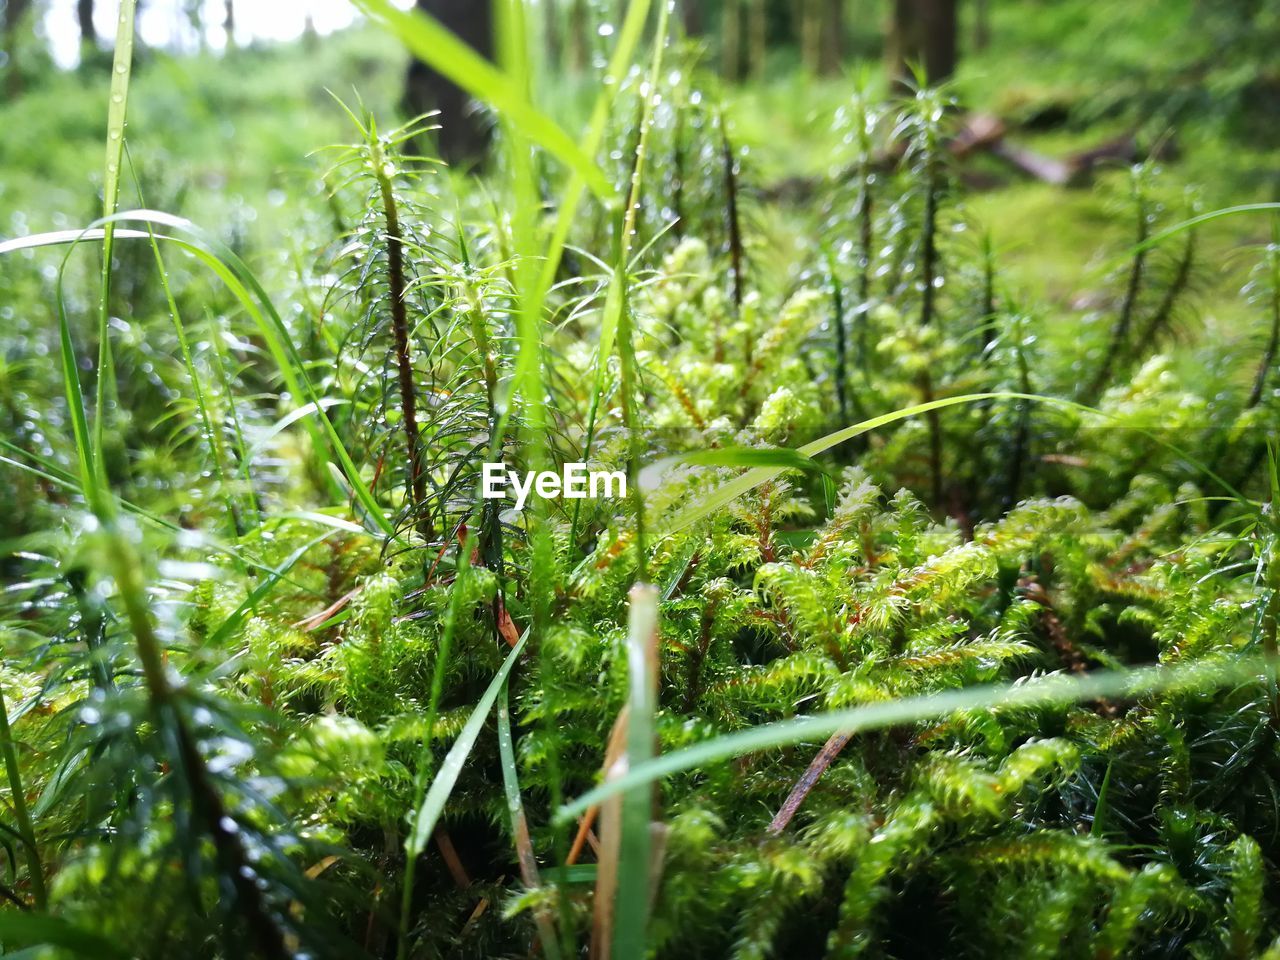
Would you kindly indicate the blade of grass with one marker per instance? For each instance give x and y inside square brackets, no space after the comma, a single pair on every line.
[528,386]
[617,311]
[259,592]
[542,917]
[505,92]
[619,64]
[428,813]
[228,396]
[780,457]
[1057,689]
[631,908]
[1191,223]
[1168,233]
[732,489]
[1098,826]
[414,844]
[90,480]
[210,430]
[117,110]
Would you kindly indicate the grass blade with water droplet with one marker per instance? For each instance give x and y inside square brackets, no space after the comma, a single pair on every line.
[428,814]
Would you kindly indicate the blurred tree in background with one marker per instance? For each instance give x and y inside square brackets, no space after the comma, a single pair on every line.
[14,14]
[84,17]
[464,132]
[923,34]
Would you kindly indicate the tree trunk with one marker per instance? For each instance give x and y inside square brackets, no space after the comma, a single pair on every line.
[833,37]
[731,40]
[14,12]
[758,36]
[981,24]
[691,11]
[551,30]
[809,13]
[579,42]
[88,34]
[463,133]
[229,22]
[923,34]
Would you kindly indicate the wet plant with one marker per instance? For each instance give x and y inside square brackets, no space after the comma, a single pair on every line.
[892,648]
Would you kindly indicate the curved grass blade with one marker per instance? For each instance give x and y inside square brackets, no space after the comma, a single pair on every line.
[783,458]
[249,292]
[730,491]
[1168,233]
[209,429]
[1054,690]
[1190,224]
[268,583]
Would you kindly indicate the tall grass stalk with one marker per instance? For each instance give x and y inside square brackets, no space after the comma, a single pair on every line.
[626,334]
[210,431]
[117,110]
[428,813]
[635,846]
[617,321]
[426,810]
[227,395]
[542,917]
[529,386]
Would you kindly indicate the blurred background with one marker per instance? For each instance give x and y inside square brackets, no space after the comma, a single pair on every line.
[231,98]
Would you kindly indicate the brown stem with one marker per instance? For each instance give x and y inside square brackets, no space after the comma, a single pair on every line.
[826,756]
[698,657]
[444,843]
[400,331]
[1120,334]
[207,806]
[929,271]
[1268,354]
[866,226]
[735,235]
[1159,320]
